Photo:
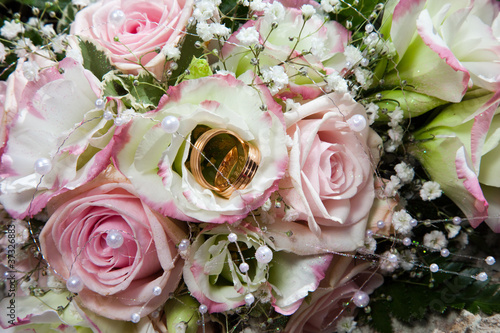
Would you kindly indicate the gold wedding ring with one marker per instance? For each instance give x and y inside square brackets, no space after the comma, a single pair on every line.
[235,170]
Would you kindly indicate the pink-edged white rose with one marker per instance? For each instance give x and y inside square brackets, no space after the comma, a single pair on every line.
[155,161]
[140,27]
[119,281]
[56,122]
[330,183]
[459,149]
[445,46]
[326,305]
[319,45]
[213,275]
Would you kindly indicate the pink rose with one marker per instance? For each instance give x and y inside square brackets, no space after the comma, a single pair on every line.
[325,307]
[140,27]
[118,281]
[330,177]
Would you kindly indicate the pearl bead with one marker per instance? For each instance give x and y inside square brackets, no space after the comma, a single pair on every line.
[203,308]
[183,245]
[490,260]
[74,284]
[413,223]
[482,276]
[170,124]
[244,267]
[117,17]
[157,291]
[264,254]
[457,220]
[114,239]
[107,115]
[361,299]
[249,299]
[135,317]
[232,237]
[369,28]
[434,268]
[445,252]
[155,314]
[364,62]
[407,241]
[99,103]
[119,121]
[380,224]
[43,166]
[392,257]
[369,233]
[357,123]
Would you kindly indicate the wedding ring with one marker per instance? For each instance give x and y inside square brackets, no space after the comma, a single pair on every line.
[234,171]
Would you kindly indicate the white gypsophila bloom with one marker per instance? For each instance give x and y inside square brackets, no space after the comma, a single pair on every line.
[276,76]
[11,29]
[330,5]
[33,22]
[216,2]
[54,283]
[318,48]
[3,53]
[220,30]
[257,5]
[346,325]
[75,53]
[396,117]
[23,46]
[404,172]
[267,205]
[48,30]
[401,221]
[372,112]
[307,11]
[291,105]
[291,215]
[353,56]
[204,10]
[82,3]
[58,43]
[369,246]
[435,240]
[30,70]
[463,239]
[452,229]
[392,186]
[204,32]
[407,260]
[430,190]
[171,52]
[248,36]
[335,82]
[274,12]
[363,76]
[387,266]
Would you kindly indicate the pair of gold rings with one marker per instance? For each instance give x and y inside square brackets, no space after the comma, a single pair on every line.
[223,162]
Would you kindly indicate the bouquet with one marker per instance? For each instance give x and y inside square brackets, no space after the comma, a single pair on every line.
[248,165]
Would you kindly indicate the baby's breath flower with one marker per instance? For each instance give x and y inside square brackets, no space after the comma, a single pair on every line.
[369,246]
[11,29]
[3,53]
[257,5]
[307,11]
[353,55]
[401,221]
[404,172]
[452,229]
[171,52]
[336,83]
[407,260]
[248,36]
[204,10]
[430,190]
[391,187]
[346,325]
[23,46]
[372,112]
[274,12]
[435,240]
[386,265]
[396,117]
[30,70]
[48,30]
[363,76]
[330,6]
[276,76]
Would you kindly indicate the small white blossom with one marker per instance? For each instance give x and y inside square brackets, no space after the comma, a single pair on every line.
[54,283]
[401,221]
[220,30]
[392,186]
[75,53]
[30,70]
[330,6]
[336,83]
[204,32]
[372,112]
[407,260]
[463,239]
[48,30]
[396,139]
[307,11]
[3,53]
[363,76]
[404,172]
[435,240]
[248,36]
[23,46]
[387,266]
[33,22]
[290,105]
[204,10]
[82,3]
[171,52]
[369,246]
[257,5]
[346,325]
[267,205]
[274,12]
[291,215]
[452,229]
[396,117]
[11,29]
[276,76]
[318,48]
[353,56]
[59,43]
[430,190]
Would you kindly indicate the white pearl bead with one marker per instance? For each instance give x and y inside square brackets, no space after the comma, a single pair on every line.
[183,245]
[457,220]
[244,267]
[232,237]
[361,299]
[119,121]
[413,223]
[264,254]
[364,62]
[369,27]
[482,276]
[407,241]
[170,124]
[434,268]
[114,239]
[107,115]
[445,252]
[157,291]
[43,166]
[392,257]
[249,299]
[117,17]
[380,224]
[490,260]
[203,308]
[357,123]
[369,233]
[99,103]
[135,317]
[74,284]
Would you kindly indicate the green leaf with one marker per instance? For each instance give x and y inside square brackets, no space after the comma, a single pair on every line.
[95,60]
[355,13]
[381,320]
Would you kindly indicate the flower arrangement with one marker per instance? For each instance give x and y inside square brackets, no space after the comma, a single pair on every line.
[248,165]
